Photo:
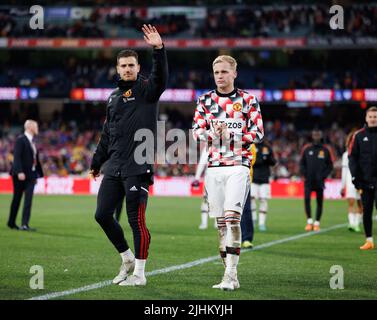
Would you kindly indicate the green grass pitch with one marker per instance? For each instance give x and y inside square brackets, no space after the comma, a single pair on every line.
[74,252]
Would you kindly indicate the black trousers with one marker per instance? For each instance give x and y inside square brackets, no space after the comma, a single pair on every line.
[111,192]
[308,189]
[368,197]
[247,225]
[118,210]
[19,188]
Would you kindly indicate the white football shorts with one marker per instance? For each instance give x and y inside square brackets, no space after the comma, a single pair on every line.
[227,189]
[260,191]
[351,192]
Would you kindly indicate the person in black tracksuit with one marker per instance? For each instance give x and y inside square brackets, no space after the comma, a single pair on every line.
[131,114]
[315,165]
[362,155]
[25,171]
[119,207]
[118,211]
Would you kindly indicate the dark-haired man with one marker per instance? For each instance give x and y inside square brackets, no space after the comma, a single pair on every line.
[131,107]
[316,164]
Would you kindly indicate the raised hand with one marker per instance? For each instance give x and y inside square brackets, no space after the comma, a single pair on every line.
[151,36]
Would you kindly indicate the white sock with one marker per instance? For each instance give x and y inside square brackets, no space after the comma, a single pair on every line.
[204,218]
[253,205]
[127,255]
[231,263]
[358,218]
[262,218]
[316,223]
[309,221]
[351,219]
[370,239]
[254,216]
[140,268]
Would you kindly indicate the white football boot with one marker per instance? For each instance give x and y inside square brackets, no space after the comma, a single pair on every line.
[229,282]
[126,267]
[134,280]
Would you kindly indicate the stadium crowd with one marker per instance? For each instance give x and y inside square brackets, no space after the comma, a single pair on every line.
[260,70]
[219,21]
[67,145]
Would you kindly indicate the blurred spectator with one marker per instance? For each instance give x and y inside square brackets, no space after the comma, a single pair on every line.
[67,146]
[267,69]
[231,20]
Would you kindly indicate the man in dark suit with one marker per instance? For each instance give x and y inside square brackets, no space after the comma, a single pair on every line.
[25,170]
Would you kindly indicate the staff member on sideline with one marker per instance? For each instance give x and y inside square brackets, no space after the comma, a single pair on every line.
[363,166]
[25,170]
[316,164]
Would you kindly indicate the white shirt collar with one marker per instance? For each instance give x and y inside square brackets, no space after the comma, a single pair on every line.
[29,136]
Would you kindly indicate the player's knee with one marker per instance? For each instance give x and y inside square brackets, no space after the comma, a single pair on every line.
[134,222]
[234,235]
[101,218]
[232,218]
[221,223]
[263,205]
[204,207]
[233,225]
[253,204]
[138,225]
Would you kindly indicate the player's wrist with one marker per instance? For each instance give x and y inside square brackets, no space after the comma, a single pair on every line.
[227,135]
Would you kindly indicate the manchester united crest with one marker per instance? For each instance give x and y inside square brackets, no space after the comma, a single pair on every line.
[127,94]
[237,107]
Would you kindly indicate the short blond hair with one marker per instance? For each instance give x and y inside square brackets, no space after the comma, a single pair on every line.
[372,109]
[225,58]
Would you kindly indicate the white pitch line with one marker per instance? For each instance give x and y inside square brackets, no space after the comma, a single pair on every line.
[191,264]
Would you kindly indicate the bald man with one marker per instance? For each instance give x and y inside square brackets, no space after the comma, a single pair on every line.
[26,169]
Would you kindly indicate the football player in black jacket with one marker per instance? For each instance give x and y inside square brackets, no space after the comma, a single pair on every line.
[131,107]
[363,166]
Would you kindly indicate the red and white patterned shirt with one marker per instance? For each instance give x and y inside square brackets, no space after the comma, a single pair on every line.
[241,112]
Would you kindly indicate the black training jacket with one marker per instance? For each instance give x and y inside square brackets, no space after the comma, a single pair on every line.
[131,107]
[261,168]
[362,155]
[316,164]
